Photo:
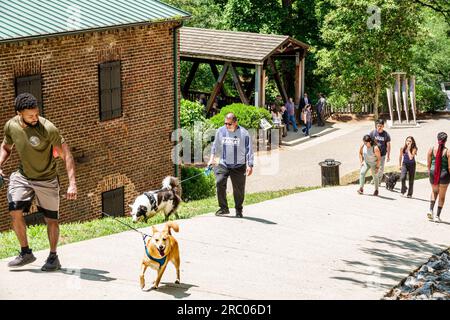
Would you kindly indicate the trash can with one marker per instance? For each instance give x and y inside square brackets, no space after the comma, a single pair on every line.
[330,172]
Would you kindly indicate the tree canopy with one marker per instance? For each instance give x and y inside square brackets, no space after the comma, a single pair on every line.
[355,44]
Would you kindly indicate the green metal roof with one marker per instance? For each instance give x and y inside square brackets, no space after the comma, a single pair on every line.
[23,19]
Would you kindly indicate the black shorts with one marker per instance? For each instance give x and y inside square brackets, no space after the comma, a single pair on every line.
[443,179]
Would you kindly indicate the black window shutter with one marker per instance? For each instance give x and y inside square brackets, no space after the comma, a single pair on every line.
[113,202]
[110,90]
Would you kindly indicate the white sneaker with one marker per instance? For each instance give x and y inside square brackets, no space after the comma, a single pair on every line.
[430,216]
[437,219]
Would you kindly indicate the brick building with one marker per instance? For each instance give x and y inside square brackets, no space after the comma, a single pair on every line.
[106,74]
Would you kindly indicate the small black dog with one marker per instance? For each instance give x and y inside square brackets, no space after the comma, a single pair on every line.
[391,179]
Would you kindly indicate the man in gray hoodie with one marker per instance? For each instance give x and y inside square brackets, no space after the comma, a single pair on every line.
[233,144]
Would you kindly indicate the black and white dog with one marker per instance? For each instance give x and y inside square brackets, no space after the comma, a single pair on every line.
[391,179]
[167,200]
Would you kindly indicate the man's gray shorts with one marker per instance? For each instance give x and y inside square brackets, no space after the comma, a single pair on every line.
[21,192]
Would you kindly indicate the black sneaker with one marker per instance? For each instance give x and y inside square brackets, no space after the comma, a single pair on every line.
[52,263]
[222,212]
[22,259]
[239,214]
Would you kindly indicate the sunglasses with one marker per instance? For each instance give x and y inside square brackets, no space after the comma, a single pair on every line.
[228,123]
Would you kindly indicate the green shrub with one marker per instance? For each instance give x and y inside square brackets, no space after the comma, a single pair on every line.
[197,188]
[191,112]
[429,98]
[248,116]
[338,102]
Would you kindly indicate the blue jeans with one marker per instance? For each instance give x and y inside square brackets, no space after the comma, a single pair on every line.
[307,127]
[291,118]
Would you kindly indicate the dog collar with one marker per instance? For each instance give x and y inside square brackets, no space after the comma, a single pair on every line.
[151,198]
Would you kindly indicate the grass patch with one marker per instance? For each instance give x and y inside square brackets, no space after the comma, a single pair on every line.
[79,231]
[353,177]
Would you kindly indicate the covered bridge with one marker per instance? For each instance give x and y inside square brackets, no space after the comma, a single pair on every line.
[242,49]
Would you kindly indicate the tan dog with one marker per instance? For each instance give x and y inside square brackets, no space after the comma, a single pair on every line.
[161,248]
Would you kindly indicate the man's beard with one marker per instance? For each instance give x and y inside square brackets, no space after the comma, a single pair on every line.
[30,124]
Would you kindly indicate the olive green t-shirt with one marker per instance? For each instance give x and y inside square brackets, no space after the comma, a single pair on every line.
[35,147]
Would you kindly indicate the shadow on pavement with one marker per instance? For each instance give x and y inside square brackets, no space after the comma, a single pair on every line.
[252,219]
[178,291]
[296,138]
[385,198]
[384,264]
[83,273]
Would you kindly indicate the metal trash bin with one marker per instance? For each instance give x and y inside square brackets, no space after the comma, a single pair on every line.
[330,172]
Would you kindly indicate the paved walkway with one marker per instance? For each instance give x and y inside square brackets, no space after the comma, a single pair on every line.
[328,243]
[297,165]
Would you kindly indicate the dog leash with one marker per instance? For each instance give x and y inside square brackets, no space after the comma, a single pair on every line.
[206,173]
[144,235]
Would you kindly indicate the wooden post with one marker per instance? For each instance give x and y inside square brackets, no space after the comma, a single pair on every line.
[298,79]
[217,86]
[189,79]
[258,93]
[303,76]
[263,87]
[278,81]
[216,76]
[238,84]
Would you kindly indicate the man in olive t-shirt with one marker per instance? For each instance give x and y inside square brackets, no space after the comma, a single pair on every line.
[35,138]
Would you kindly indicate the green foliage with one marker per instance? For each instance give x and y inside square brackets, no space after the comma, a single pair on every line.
[200,187]
[429,98]
[248,116]
[199,129]
[204,13]
[431,64]
[253,15]
[191,112]
[337,102]
[360,55]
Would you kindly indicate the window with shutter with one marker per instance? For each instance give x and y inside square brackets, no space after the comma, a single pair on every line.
[31,84]
[110,87]
[113,202]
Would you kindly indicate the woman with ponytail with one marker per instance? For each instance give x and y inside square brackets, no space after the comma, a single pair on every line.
[370,158]
[438,169]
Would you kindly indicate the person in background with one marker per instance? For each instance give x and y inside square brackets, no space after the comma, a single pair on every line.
[407,164]
[304,101]
[439,172]
[307,119]
[383,140]
[320,107]
[290,109]
[276,115]
[370,158]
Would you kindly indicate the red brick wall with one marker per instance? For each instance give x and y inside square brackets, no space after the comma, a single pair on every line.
[132,151]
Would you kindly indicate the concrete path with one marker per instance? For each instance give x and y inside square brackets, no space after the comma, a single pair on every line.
[329,243]
[297,164]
